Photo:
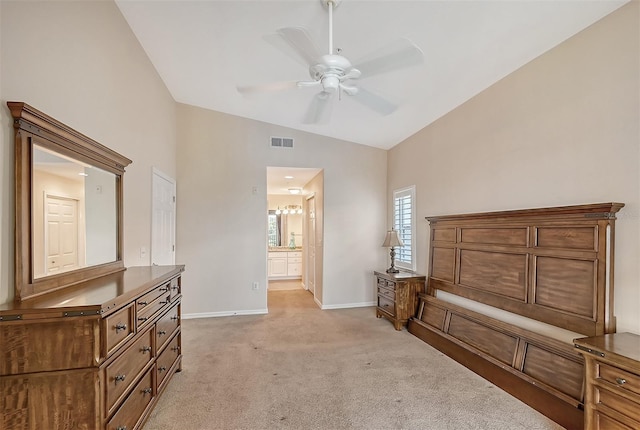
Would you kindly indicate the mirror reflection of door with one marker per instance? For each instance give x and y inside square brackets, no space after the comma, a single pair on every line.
[61,235]
[311,240]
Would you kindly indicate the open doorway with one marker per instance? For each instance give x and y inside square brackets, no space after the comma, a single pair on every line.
[292,253]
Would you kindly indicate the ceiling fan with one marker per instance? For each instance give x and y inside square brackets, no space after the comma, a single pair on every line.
[332,72]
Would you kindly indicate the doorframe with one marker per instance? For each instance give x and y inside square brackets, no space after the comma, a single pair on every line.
[155,172]
[311,196]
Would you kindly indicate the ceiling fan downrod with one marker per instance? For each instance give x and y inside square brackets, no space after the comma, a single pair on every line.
[330,4]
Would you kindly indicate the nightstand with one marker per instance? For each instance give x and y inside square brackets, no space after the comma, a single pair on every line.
[398,296]
[612,390]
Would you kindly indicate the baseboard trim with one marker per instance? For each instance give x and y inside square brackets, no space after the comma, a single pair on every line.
[348,305]
[223,314]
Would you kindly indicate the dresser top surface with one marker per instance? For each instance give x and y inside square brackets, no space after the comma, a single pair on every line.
[625,345]
[105,292]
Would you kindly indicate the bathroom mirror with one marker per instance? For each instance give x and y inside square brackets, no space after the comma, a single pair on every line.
[276,229]
[68,195]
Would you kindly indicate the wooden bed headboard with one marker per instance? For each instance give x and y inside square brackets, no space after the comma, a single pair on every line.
[553,265]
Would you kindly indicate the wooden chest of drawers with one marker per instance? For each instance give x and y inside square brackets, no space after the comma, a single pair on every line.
[397,295]
[612,396]
[95,357]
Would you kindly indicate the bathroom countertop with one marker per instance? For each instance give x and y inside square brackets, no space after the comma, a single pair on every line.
[284,249]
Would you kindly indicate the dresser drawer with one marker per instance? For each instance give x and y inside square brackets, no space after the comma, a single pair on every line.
[625,380]
[386,305]
[176,287]
[151,297]
[118,327]
[167,358]
[166,326]
[292,255]
[120,374]
[160,303]
[134,406]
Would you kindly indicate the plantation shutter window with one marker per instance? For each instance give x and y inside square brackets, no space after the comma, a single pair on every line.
[404,223]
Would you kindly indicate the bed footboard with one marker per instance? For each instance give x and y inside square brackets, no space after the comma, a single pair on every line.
[543,372]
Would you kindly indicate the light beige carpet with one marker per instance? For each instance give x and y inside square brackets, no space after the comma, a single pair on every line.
[302,368]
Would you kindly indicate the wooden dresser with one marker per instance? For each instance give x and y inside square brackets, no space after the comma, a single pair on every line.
[612,366]
[398,296]
[96,355]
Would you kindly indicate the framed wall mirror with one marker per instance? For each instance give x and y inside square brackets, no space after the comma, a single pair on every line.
[68,204]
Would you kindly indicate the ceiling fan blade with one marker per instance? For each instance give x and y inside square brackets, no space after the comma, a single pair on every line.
[374,101]
[400,54]
[266,88]
[319,110]
[298,39]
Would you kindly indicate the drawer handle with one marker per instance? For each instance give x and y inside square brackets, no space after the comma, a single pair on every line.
[164,303]
[143,303]
[162,333]
[167,289]
[119,378]
[174,288]
[175,348]
[176,317]
[147,391]
[143,318]
[121,428]
[145,349]
[162,369]
[621,381]
[120,326]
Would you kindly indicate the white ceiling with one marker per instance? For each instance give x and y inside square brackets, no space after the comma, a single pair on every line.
[203,49]
[279,180]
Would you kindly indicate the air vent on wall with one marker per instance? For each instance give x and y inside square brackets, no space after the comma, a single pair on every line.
[281,142]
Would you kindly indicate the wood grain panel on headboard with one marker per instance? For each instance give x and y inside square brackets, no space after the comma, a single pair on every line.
[553,264]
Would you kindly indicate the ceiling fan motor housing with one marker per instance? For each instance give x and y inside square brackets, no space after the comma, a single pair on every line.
[331,71]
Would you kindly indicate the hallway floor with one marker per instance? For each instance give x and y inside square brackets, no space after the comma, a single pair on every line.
[285,284]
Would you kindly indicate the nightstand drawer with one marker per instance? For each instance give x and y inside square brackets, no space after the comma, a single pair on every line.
[387,294]
[604,422]
[387,305]
[617,403]
[624,380]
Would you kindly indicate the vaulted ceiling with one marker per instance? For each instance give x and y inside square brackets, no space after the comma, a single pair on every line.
[204,49]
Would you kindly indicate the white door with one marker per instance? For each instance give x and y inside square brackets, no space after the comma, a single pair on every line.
[311,247]
[163,219]
[61,234]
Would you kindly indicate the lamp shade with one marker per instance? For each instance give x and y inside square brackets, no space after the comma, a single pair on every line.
[392,239]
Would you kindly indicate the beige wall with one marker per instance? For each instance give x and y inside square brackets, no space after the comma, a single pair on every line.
[562,130]
[222,225]
[80,63]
